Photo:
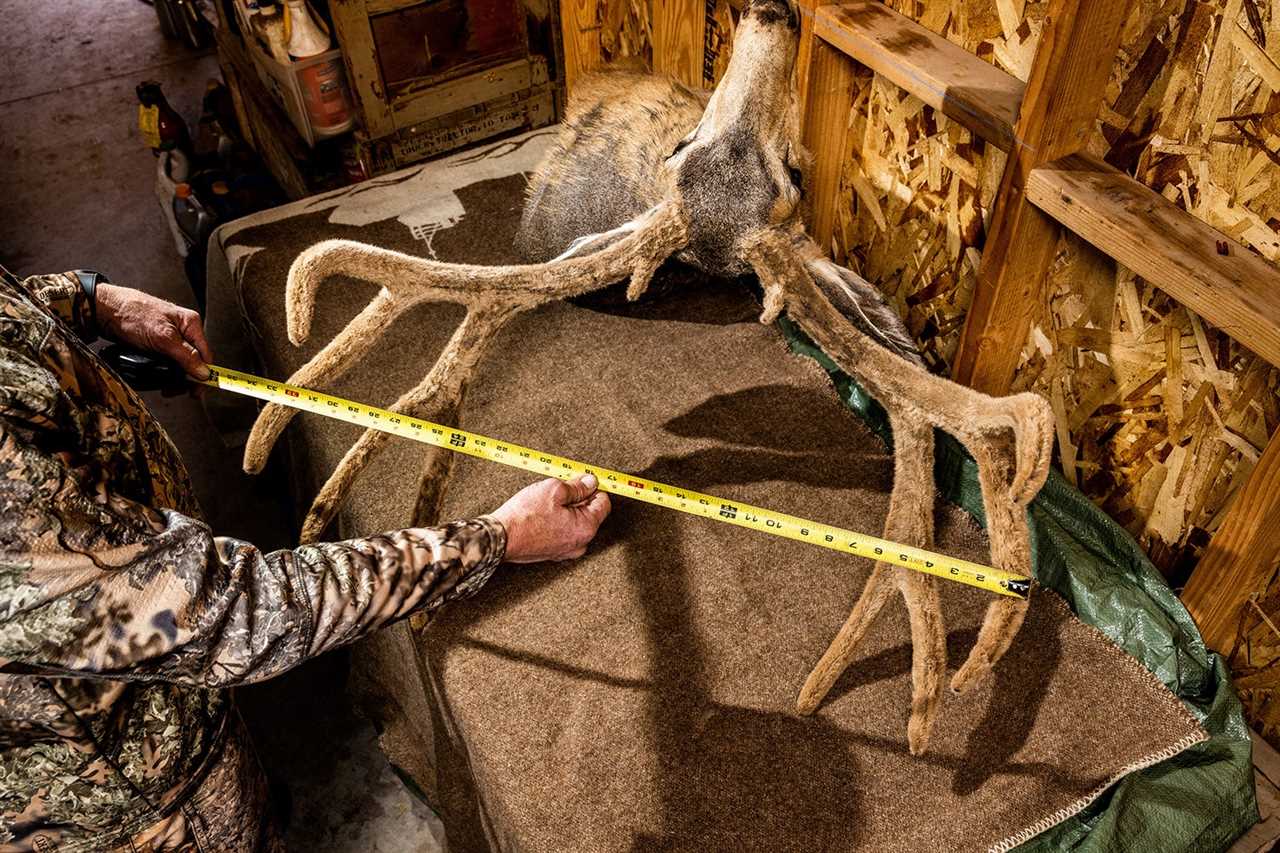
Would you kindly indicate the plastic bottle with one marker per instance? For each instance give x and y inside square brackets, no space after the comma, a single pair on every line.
[208,131]
[328,101]
[323,82]
[305,38]
[176,166]
[270,25]
[193,220]
[161,127]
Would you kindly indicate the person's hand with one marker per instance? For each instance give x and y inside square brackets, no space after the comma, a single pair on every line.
[553,519]
[149,323]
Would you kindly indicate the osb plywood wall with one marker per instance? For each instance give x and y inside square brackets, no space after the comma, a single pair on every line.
[1161,418]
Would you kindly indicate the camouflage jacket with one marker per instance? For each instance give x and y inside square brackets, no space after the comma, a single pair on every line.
[122,616]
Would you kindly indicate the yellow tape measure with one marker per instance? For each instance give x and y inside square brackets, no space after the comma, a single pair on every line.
[620,483]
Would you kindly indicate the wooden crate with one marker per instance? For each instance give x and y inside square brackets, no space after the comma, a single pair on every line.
[527,109]
[422,89]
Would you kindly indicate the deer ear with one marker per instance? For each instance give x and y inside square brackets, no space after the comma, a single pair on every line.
[589,243]
[864,306]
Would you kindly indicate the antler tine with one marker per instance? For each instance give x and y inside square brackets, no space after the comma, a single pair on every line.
[1010,547]
[910,519]
[407,280]
[441,390]
[1033,428]
[353,341]
[781,258]
[657,233]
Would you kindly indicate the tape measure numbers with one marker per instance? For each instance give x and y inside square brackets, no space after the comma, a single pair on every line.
[621,483]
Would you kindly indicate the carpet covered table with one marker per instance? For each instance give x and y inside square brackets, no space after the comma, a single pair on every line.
[642,698]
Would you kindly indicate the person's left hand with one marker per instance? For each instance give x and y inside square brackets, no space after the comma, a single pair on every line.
[149,323]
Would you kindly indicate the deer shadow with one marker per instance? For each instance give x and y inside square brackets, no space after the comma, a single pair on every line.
[1005,726]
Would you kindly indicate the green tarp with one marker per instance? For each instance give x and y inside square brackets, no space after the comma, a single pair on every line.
[1203,798]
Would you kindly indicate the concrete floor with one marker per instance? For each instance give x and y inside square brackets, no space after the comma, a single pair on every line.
[77,190]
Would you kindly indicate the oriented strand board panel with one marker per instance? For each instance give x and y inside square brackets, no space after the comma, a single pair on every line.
[915,202]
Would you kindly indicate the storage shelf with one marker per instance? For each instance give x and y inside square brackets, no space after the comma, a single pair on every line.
[1238,292]
[945,76]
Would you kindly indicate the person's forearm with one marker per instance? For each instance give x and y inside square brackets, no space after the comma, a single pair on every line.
[65,296]
[357,586]
[174,603]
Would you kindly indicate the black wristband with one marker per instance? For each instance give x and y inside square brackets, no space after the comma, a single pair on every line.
[89,281]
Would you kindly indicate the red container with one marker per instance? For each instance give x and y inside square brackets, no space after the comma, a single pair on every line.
[324,91]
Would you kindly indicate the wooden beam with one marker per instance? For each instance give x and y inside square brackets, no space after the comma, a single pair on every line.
[1241,557]
[580,40]
[1067,84]
[678,40]
[360,54]
[1204,269]
[804,56]
[944,75]
[825,133]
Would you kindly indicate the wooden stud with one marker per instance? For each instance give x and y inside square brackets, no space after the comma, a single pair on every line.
[1241,557]
[580,37]
[678,33]
[1061,103]
[804,57]
[826,126]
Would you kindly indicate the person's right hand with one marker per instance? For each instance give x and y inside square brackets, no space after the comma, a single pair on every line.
[552,519]
[149,323]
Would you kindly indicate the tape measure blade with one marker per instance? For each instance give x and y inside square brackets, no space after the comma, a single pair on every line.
[620,483]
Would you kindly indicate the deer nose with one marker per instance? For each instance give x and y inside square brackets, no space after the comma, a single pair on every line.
[774,11]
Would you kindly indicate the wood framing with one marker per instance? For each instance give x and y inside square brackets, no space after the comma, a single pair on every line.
[804,58]
[579,36]
[943,75]
[1061,103]
[1204,269]
[1047,183]
[678,40]
[826,122]
[1241,557]
[355,34]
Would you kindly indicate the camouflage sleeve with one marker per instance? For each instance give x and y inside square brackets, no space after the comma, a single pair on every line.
[95,584]
[62,293]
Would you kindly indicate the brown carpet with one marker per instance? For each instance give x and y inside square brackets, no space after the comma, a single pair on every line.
[641,699]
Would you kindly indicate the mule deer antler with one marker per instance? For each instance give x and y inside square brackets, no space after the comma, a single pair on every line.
[648,170]
[1011,439]
[492,295]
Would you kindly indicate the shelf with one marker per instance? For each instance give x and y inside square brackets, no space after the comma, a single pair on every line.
[1238,292]
[943,75]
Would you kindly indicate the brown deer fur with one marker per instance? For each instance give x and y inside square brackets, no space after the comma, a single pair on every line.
[646,169]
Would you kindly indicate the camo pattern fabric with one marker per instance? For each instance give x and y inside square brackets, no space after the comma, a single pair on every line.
[122,617]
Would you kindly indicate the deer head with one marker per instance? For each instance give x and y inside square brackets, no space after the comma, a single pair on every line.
[646,169]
